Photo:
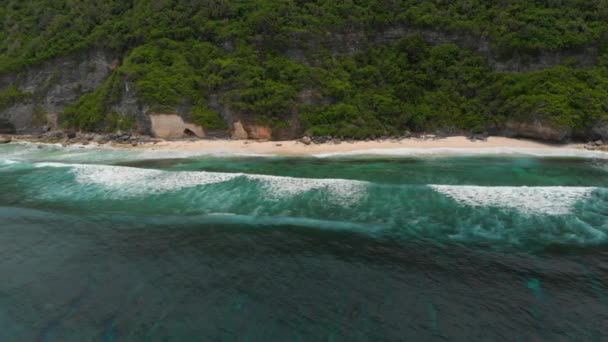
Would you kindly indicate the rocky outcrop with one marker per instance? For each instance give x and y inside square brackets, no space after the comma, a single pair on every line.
[537,129]
[5,140]
[172,126]
[260,132]
[6,127]
[306,140]
[597,145]
[600,131]
[53,85]
[238,131]
[242,131]
[129,105]
[544,130]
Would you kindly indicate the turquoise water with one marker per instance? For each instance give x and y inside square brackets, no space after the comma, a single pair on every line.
[101,244]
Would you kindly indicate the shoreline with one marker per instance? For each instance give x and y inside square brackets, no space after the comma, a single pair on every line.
[389,147]
[407,146]
[373,147]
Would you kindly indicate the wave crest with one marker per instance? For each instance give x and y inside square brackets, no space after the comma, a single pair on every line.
[136,181]
[552,200]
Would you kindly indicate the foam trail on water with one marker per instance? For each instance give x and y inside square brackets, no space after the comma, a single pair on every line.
[552,200]
[228,218]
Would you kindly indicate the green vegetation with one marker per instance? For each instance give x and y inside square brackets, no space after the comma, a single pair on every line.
[258,57]
[92,111]
[208,118]
[409,85]
[414,86]
[10,95]
[570,97]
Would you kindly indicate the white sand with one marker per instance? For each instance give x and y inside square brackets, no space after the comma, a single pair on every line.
[405,146]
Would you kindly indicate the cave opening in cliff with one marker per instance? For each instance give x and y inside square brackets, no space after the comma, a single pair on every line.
[189,133]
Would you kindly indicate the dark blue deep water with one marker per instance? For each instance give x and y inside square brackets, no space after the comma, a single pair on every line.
[111,245]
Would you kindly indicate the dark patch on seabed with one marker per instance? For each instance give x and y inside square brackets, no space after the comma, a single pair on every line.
[285,283]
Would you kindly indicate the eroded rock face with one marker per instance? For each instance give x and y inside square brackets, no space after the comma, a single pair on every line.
[238,131]
[172,126]
[242,131]
[260,132]
[538,130]
[53,85]
[6,127]
[129,105]
[600,131]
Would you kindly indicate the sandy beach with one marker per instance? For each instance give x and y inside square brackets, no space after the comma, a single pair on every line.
[297,148]
[456,145]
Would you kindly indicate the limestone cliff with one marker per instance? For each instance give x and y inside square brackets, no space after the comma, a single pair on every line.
[500,61]
[51,86]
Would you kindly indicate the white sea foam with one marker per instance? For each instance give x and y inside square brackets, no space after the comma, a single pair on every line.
[343,190]
[552,200]
[8,162]
[536,152]
[136,181]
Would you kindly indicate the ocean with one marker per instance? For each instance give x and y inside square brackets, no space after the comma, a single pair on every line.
[107,244]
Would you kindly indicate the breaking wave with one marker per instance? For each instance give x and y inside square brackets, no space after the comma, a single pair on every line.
[125,181]
[137,181]
[551,200]
[506,215]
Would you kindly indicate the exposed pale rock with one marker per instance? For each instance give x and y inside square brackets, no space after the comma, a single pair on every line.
[260,132]
[306,140]
[172,126]
[238,131]
[538,130]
